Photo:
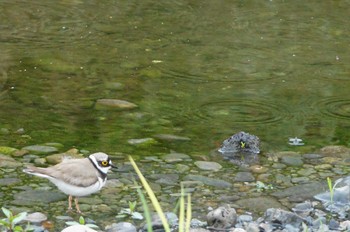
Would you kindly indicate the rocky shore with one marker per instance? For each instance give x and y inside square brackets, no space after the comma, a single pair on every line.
[274,194]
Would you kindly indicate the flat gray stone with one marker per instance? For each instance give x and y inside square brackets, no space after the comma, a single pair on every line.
[40,149]
[206,165]
[35,197]
[301,192]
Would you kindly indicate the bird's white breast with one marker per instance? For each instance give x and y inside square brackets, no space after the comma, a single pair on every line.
[78,191]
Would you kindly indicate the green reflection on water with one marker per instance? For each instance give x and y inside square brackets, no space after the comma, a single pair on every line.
[270,68]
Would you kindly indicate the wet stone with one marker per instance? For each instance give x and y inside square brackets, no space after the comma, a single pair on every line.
[259,204]
[292,161]
[209,181]
[34,197]
[9,181]
[36,217]
[306,172]
[175,157]
[40,149]
[323,167]
[301,192]
[300,180]
[206,165]
[165,179]
[279,166]
[312,156]
[8,162]
[182,168]
[244,177]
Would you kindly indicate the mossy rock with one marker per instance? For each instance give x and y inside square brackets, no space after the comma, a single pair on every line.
[7,150]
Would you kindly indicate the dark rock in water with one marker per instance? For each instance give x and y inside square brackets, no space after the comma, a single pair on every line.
[240,143]
[222,218]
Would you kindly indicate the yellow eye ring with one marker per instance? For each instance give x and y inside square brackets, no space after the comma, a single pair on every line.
[104,163]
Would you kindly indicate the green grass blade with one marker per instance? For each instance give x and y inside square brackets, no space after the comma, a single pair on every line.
[151,195]
[330,186]
[182,211]
[188,213]
[146,210]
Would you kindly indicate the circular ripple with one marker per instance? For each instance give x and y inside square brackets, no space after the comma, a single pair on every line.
[335,108]
[248,111]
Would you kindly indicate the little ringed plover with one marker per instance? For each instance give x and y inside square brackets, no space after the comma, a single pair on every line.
[77,177]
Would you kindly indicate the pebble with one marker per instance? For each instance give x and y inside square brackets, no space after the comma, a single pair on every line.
[258,169]
[206,165]
[323,167]
[36,217]
[8,162]
[175,157]
[244,177]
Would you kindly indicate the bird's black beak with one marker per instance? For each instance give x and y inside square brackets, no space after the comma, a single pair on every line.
[113,166]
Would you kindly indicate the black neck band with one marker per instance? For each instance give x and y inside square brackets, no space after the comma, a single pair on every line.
[103,175]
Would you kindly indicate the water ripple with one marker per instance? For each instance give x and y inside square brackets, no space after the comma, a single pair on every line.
[335,107]
[244,111]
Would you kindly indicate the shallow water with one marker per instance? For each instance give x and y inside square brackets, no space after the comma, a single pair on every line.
[198,69]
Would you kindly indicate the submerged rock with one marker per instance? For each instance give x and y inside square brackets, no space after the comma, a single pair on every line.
[103,104]
[239,143]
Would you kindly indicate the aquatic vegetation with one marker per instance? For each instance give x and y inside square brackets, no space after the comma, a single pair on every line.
[261,186]
[131,211]
[10,223]
[81,222]
[331,189]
